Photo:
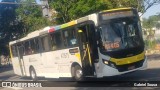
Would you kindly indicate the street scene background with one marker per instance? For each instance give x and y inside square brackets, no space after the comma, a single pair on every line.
[20,17]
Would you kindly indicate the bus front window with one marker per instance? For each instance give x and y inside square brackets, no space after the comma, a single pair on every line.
[110,39]
[120,33]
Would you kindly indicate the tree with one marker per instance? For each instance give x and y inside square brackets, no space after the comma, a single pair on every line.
[149,24]
[17,21]
[31,18]
[7,24]
[73,9]
[158,25]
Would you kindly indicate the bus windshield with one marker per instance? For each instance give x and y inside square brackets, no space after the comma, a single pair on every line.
[120,33]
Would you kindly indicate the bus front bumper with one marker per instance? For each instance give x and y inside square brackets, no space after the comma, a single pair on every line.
[110,71]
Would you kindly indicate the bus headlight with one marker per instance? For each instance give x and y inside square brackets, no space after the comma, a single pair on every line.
[109,63]
[105,61]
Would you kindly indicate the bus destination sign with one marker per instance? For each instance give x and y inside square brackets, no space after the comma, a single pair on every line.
[111,15]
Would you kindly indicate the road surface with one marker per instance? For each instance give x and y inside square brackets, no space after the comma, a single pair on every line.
[151,74]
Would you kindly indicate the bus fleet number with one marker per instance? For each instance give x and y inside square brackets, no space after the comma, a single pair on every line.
[64,55]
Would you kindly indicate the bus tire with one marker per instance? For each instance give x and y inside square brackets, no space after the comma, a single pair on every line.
[78,74]
[33,74]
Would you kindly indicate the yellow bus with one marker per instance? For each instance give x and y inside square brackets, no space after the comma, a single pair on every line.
[106,43]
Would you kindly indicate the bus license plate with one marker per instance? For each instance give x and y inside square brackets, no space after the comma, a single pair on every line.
[131,67]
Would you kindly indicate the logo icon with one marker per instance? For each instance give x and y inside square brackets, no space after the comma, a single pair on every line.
[6,84]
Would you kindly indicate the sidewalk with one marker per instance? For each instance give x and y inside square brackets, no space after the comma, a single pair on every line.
[155,56]
[153,60]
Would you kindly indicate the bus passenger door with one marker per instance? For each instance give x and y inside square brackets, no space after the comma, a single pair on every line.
[20,50]
[85,51]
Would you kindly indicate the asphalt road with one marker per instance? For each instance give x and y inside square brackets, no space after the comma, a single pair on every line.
[150,74]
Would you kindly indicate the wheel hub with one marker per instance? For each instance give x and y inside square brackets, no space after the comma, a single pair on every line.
[33,74]
[79,73]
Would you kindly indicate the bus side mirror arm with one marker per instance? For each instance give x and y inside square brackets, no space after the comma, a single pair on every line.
[96,60]
[98,37]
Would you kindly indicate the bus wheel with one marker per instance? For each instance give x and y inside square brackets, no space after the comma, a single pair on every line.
[33,74]
[78,74]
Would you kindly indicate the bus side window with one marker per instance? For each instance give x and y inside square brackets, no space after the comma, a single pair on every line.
[37,49]
[32,47]
[46,43]
[14,50]
[26,46]
[53,40]
[73,38]
[70,39]
[56,40]
[65,37]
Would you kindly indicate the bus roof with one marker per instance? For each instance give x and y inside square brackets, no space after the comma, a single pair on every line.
[82,19]
[30,35]
[58,27]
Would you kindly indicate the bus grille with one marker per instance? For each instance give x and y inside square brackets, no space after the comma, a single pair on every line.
[122,68]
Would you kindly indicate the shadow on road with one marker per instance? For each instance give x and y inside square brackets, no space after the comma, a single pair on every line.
[6,71]
[116,88]
[141,75]
[5,68]
[109,82]
[125,81]
[121,82]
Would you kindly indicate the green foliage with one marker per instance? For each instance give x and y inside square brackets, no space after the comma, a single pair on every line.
[124,3]
[72,9]
[17,21]
[158,25]
[150,44]
[7,25]
[31,18]
[148,24]
[152,21]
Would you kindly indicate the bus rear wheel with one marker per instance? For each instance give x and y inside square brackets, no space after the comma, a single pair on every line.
[33,74]
[78,74]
